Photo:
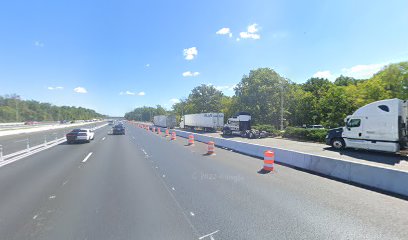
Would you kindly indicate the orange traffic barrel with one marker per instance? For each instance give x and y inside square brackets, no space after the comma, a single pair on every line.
[167,132]
[173,136]
[269,160]
[211,148]
[191,140]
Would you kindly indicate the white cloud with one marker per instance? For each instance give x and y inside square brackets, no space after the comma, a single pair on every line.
[80,90]
[174,100]
[225,88]
[55,88]
[190,53]
[238,39]
[39,44]
[224,31]
[147,65]
[253,28]
[245,35]
[190,74]
[324,74]
[141,93]
[252,32]
[127,93]
[362,71]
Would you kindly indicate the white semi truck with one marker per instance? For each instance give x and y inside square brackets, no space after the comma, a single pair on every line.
[166,121]
[379,126]
[205,121]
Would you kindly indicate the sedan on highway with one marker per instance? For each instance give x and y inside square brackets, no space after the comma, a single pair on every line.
[118,130]
[80,135]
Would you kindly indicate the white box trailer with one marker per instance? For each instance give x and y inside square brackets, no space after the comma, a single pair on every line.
[205,121]
[166,121]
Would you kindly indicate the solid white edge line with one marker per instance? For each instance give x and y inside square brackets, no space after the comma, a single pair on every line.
[208,235]
[87,156]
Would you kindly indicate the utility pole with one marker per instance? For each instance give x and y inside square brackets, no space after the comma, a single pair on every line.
[281,108]
[16,97]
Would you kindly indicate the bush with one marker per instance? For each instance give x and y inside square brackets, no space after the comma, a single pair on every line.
[317,135]
[268,128]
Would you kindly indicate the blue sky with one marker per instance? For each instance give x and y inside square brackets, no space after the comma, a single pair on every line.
[113,56]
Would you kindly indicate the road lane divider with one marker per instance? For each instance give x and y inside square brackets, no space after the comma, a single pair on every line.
[87,157]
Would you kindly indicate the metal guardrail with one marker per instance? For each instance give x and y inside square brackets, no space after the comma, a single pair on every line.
[29,148]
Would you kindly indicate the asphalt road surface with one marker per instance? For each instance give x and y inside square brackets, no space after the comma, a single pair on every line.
[18,142]
[144,186]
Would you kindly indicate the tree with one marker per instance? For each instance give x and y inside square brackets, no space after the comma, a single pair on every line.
[302,107]
[261,93]
[12,106]
[394,79]
[345,81]
[205,98]
[335,105]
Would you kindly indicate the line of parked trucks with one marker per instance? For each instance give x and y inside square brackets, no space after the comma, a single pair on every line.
[379,126]
[238,125]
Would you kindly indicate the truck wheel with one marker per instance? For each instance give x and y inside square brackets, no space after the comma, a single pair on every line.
[338,143]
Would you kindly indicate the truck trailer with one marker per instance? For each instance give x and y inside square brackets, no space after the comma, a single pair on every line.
[166,121]
[205,121]
[378,126]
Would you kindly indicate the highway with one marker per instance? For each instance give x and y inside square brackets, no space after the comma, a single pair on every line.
[144,186]
[17,142]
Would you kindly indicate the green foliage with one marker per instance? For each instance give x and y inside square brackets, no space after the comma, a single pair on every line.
[145,114]
[260,93]
[13,109]
[268,128]
[316,135]
[345,81]
[204,98]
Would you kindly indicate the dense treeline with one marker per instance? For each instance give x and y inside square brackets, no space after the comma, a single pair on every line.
[267,95]
[145,114]
[13,109]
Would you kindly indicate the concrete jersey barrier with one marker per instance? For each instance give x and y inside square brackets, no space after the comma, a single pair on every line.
[382,178]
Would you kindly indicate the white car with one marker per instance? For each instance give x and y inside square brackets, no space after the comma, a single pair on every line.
[80,135]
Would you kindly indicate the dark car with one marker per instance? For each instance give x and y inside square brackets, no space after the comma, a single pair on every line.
[118,130]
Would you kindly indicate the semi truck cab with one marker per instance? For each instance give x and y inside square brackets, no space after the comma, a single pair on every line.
[378,126]
[238,124]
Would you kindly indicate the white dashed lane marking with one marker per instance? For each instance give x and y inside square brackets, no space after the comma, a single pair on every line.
[87,157]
